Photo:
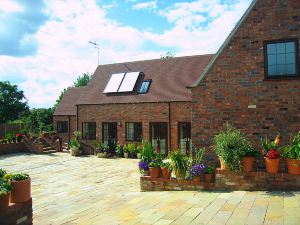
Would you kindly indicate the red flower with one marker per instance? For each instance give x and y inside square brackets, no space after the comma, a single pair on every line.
[19,135]
[273,154]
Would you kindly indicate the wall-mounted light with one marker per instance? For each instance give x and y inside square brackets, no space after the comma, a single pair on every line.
[120,124]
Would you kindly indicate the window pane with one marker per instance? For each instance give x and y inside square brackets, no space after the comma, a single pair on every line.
[271,48]
[272,59]
[138,131]
[280,47]
[290,47]
[272,70]
[130,131]
[290,58]
[281,69]
[291,69]
[281,59]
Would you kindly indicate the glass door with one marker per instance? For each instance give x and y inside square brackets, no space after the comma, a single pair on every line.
[159,137]
[110,134]
[184,137]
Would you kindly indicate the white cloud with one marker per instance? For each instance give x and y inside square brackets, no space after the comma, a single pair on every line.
[10,6]
[64,52]
[145,5]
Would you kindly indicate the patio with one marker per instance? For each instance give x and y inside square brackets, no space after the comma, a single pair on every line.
[90,190]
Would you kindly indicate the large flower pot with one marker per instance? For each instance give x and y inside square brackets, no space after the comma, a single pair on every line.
[272,165]
[126,155]
[139,155]
[21,191]
[248,163]
[208,177]
[223,165]
[166,172]
[154,172]
[293,166]
[4,202]
[101,154]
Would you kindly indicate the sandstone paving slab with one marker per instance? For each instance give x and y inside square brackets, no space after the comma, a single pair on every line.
[89,190]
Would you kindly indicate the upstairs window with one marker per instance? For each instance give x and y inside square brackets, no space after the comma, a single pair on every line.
[145,87]
[62,127]
[134,132]
[89,130]
[281,58]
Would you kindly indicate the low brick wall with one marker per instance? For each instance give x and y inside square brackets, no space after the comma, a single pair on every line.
[12,148]
[256,181]
[17,214]
[160,184]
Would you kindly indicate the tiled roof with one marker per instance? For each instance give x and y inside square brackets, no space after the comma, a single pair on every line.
[67,105]
[170,77]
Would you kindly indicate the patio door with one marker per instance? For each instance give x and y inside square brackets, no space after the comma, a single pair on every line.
[184,137]
[110,134]
[159,137]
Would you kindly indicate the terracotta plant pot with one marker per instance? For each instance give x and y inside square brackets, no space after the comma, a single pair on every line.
[166,172]
[126,155]
[293,166]
[223,165]
[154,172]
[248,163]
[21,191]
[196,179]
[272,165]
[4,202]
[208,177]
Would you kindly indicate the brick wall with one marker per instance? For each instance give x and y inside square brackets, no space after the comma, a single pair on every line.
[70,119]
[237,80]
[138,112]
[13,148]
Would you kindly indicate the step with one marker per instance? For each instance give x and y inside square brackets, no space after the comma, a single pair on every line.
[48,148]
[49,151]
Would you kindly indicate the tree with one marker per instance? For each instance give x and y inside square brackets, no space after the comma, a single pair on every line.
[40,119]
[13,103]
[168,55]
[83,80]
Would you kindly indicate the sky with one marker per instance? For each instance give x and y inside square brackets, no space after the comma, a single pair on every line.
[44,45]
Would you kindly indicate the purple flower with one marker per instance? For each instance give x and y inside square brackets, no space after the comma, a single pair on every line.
[197,169]
[143,166]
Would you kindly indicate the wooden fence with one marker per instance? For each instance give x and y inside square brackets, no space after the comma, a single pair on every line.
[12,128]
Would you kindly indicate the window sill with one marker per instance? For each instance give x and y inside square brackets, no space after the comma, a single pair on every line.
[283,78]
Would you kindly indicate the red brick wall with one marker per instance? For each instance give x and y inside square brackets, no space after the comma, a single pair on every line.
[13,148]
[73,123]
[237,80]
[139,112]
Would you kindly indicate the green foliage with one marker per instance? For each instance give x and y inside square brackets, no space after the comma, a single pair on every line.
[5,187]
[292,151]
[269,145]
[168,55]
[199,152]
[181,164]
[19,176]
[40,119]
[119,149]
[147,152]
[155,164]
[100,147]
[13,103]
[230,145]
[209,170]
[167,164]
[83,80]
[2,173]
[74,143]
[250,151]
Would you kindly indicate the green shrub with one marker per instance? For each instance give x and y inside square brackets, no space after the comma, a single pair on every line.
[2,173]
[199,152]
[292,151]
[230,146]
[180,163]
[5,187]
[147,152]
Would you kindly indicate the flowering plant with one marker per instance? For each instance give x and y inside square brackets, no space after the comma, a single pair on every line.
[155,164]
[143,166]
[197,170]
[272,154]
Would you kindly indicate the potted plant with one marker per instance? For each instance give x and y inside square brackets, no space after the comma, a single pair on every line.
[271,155]
[132,150]
[144,168]
[21,187]
[166,169]
[154,169]
[180,164]
[209,173]
[249,154]
[101,150]
[5,189]
[196,171]
[126,151]
[291,153]
[74,147]
[139,151]
[147,151]
[119,150]
[229,145]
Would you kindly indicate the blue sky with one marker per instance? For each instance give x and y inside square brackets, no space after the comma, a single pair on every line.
[44,44]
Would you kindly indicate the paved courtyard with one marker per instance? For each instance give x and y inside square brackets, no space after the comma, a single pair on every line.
[90,190]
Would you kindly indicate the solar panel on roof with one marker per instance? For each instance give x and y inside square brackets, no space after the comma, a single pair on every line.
[129,82]
[114,83]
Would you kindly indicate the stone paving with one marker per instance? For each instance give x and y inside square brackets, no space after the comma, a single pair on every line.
[90,190]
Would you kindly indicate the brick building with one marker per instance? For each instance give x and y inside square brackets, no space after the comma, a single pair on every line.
[252,82]
[128,102]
